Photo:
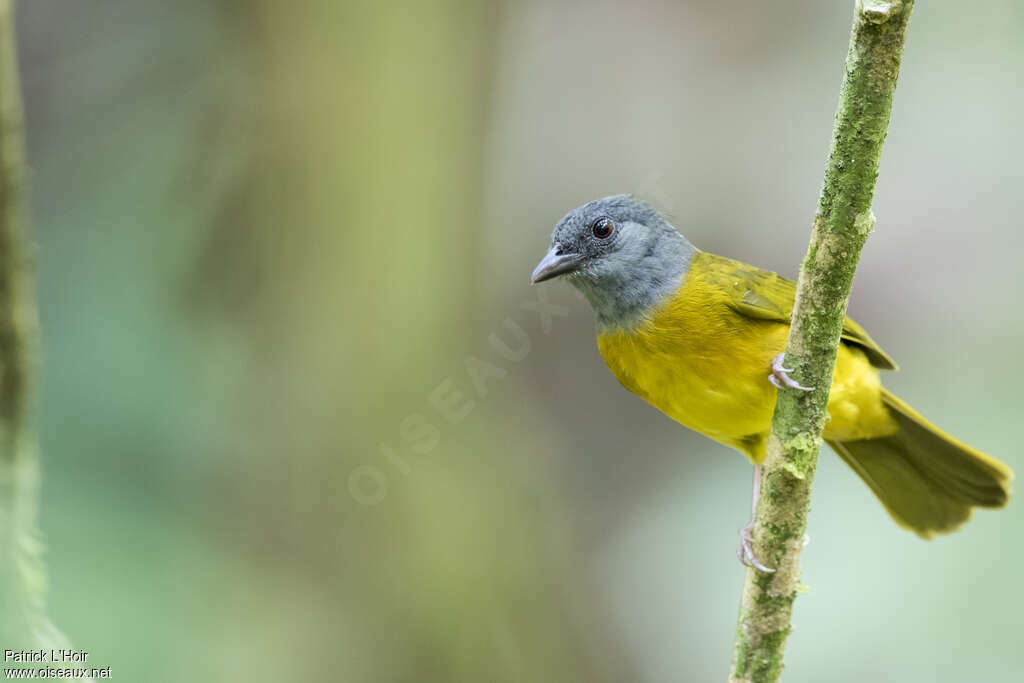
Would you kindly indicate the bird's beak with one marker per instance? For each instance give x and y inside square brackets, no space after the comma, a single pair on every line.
[554,264]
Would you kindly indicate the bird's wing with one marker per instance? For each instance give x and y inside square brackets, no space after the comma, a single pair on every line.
[763,295]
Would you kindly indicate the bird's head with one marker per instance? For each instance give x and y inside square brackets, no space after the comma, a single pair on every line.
[621,254]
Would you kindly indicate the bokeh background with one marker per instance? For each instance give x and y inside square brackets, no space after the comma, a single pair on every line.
[275,239]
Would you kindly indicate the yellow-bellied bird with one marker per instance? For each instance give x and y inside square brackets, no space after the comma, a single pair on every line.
[700,337]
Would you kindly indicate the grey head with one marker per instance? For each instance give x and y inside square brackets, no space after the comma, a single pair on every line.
[623,256]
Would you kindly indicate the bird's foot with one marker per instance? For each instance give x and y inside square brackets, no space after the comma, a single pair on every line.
[746,550]
[780,378]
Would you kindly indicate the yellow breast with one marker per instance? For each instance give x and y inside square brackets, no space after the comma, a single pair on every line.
[706,366]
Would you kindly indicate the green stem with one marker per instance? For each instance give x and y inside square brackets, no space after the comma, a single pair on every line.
[22,578]
[841,226]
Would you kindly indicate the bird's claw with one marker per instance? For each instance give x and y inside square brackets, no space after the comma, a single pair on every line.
[746,551]
[779,377]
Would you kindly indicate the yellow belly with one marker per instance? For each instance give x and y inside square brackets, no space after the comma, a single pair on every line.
[707,367]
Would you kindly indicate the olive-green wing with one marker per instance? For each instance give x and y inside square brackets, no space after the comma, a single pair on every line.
[763,295]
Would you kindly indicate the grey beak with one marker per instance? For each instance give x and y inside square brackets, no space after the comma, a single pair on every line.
[554,264]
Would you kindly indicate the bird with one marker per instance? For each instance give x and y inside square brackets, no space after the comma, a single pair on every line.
[702,338]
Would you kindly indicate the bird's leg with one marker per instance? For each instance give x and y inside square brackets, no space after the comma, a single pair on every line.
[780,379]
[746,549]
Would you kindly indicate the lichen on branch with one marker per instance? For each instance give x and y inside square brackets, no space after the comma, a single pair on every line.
[839,231]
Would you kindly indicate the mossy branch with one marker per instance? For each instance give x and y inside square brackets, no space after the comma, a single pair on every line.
[841,226]
[22,578]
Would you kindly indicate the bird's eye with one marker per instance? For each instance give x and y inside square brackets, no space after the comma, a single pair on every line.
[603,228]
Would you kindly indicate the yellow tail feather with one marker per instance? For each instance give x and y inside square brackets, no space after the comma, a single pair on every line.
[927,480]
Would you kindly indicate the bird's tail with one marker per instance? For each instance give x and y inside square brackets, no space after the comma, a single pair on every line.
[927,480]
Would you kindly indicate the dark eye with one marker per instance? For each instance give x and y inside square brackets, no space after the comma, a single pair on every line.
[603,228]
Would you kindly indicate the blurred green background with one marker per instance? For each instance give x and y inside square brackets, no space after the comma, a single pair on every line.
[272,235]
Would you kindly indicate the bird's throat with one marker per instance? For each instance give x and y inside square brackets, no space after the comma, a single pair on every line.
[623,300]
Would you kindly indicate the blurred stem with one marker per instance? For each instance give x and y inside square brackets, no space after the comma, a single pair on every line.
[21,571]
[840,228]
